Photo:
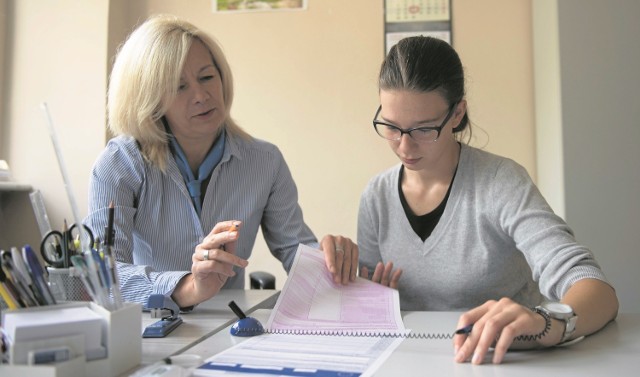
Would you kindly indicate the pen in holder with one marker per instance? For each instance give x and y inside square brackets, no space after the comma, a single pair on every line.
[244,326]
[66,284]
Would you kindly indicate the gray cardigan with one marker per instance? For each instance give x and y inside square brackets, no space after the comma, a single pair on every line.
[497,238]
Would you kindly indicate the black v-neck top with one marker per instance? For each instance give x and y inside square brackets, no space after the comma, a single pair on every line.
[423,225]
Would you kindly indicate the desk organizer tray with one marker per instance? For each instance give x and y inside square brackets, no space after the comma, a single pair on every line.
[121,336]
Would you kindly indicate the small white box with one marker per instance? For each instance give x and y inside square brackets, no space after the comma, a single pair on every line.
[121,334]
[23,326]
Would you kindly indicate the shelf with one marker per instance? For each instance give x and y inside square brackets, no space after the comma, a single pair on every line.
[14,186]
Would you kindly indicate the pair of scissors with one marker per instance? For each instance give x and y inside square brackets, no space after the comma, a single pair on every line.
[57,247]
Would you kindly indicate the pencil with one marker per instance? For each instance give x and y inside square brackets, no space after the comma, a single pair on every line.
[8,298]
[232,229]
[7,293]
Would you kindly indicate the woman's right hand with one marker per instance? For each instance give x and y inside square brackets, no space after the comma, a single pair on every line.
[212,264]
[383,274]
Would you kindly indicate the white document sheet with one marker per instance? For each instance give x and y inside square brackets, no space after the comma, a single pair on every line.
[312,304]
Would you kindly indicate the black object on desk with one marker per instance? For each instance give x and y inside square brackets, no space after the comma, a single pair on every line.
[262,280]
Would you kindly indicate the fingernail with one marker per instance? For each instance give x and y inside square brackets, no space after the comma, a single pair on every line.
[233,234]
[459,356]
[456,349]
[475,359]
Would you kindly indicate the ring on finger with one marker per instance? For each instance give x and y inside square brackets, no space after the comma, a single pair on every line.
[339,249]
[205,254]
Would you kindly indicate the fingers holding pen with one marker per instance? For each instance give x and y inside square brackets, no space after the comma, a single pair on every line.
[222,235]
[216,253]
[495,324]
[466,339]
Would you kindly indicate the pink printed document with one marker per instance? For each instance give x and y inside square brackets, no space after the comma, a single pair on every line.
[310,301]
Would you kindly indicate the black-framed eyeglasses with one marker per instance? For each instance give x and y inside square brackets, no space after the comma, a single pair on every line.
[420,134]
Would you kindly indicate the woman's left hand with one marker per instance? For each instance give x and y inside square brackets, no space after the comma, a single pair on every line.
[496,324]
[341,257]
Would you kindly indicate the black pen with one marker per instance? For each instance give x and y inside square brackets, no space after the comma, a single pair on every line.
[108,237]
[236,309]
[67,246]
[465,330]
[110,261]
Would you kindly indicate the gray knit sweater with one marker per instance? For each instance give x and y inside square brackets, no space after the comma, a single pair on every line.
[497,238]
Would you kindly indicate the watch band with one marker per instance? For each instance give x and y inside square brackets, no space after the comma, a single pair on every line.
[569,327]
[566,316]
[547,322]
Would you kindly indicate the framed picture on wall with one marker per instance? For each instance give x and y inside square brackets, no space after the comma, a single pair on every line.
[407,18]
[257,6]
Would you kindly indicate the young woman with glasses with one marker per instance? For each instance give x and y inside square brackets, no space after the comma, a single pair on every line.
[456,228]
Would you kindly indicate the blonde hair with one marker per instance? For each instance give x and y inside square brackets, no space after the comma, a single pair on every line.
[145,78]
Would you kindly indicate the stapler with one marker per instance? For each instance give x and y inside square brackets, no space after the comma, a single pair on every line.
[167,310]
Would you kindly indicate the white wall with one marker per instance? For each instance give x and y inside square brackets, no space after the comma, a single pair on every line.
[55,54]
[588,128]
[599,55]
[548,106]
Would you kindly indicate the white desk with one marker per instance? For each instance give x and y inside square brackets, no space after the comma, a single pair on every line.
[206,319]
[613,351]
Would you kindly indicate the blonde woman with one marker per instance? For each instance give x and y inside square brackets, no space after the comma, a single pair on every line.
[190,187]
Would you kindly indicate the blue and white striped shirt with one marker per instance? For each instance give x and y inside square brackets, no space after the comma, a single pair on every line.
[157,227]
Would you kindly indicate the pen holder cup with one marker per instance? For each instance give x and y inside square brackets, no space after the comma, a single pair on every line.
[123,334]
[66,285]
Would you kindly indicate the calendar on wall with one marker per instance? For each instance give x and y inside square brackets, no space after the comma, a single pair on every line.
[406,18]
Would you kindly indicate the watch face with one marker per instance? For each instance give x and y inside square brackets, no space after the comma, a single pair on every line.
[557,307]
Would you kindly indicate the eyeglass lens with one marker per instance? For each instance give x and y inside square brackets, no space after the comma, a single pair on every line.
[394,133]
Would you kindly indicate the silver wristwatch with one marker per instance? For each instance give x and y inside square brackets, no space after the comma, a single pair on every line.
[564,313]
